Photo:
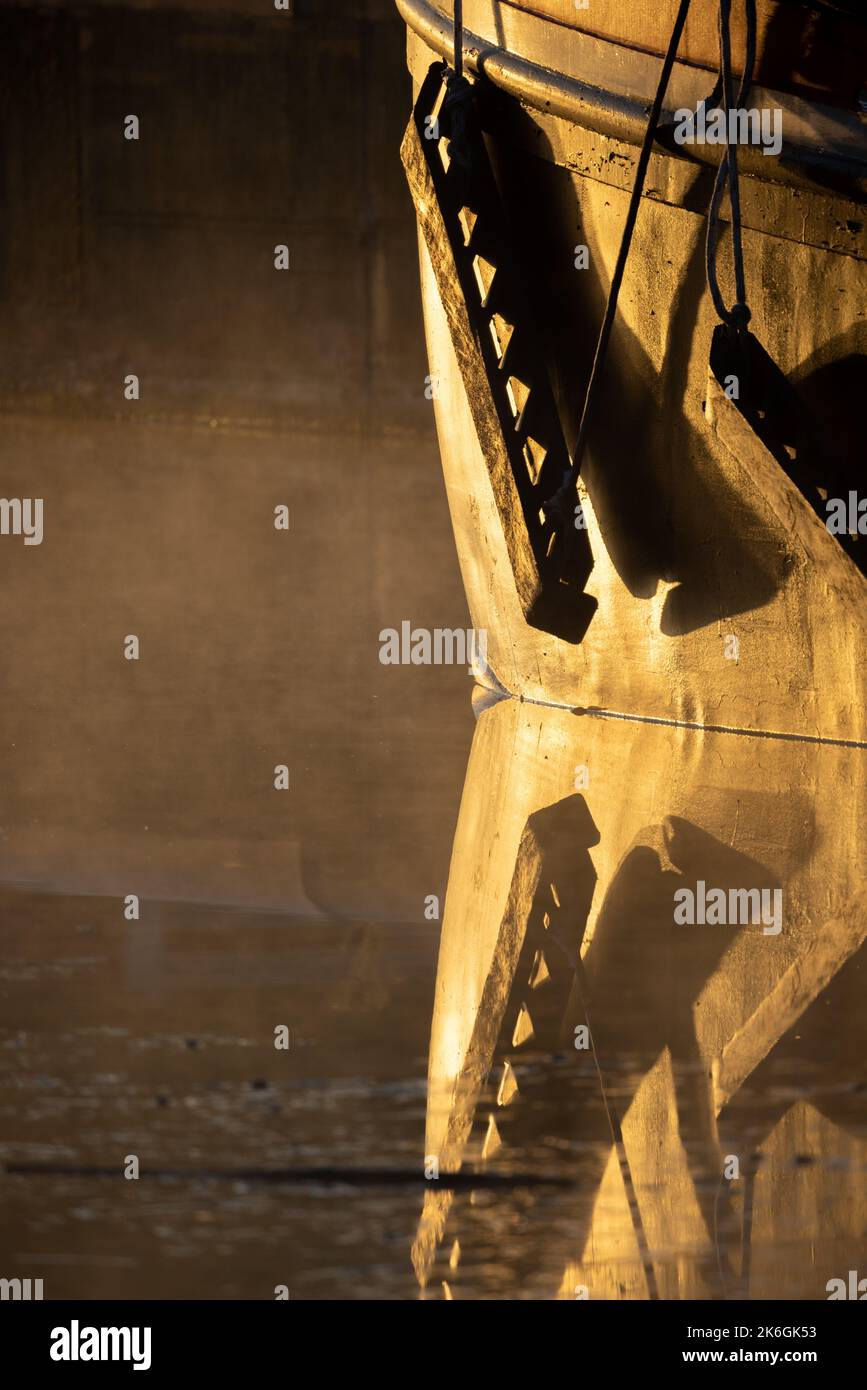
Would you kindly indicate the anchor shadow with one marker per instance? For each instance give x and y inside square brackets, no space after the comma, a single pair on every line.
[664,508]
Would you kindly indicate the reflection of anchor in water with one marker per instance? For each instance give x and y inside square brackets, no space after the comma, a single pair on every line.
[644,975]
[517,1098]
[519,1022]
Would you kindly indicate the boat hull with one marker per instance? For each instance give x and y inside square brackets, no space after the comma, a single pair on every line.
[723,599]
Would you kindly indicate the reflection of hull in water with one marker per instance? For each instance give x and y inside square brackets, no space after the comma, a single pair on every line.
[722,599]
[709,1041]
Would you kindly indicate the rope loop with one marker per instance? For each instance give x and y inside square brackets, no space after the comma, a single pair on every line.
[736,318]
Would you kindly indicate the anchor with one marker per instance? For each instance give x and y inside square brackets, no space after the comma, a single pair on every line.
[498,348]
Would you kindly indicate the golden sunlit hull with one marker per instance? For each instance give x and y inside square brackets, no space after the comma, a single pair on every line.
[723,600]
[643,1100]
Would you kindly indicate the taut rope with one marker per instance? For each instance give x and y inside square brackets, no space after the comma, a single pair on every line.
[459,37]
[556,507]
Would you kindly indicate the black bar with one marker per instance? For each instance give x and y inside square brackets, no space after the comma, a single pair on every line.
[222,1337]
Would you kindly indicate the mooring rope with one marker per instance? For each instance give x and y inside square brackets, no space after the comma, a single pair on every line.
[555,508]
[738,316]
[457,104]
[459,37]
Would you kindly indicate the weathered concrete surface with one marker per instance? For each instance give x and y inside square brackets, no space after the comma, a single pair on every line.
[156,255]
[257,388]
[258,648]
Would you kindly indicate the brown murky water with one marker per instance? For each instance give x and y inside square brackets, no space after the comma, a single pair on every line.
[606,1169]
[259,908]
